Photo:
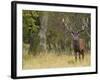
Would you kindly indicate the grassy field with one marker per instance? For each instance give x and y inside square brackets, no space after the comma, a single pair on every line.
[51,60]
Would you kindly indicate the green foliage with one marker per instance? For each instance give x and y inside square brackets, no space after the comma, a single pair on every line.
[30,24]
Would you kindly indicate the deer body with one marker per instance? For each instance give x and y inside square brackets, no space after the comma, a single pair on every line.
[82,44]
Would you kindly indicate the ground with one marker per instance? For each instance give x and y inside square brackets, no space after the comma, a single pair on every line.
[52,60]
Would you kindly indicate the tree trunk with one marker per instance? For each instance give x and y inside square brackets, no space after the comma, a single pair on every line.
[43,30]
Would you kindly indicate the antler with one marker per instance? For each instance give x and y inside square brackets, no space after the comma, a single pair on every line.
[86,24]
[66,25]
[83,26]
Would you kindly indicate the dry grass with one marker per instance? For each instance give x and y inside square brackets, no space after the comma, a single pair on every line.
[52,60]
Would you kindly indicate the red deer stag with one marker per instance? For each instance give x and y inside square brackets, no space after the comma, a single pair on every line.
[78,43]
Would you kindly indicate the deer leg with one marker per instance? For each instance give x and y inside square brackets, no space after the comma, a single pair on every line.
[79,56]
[82,53]
[75,56]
